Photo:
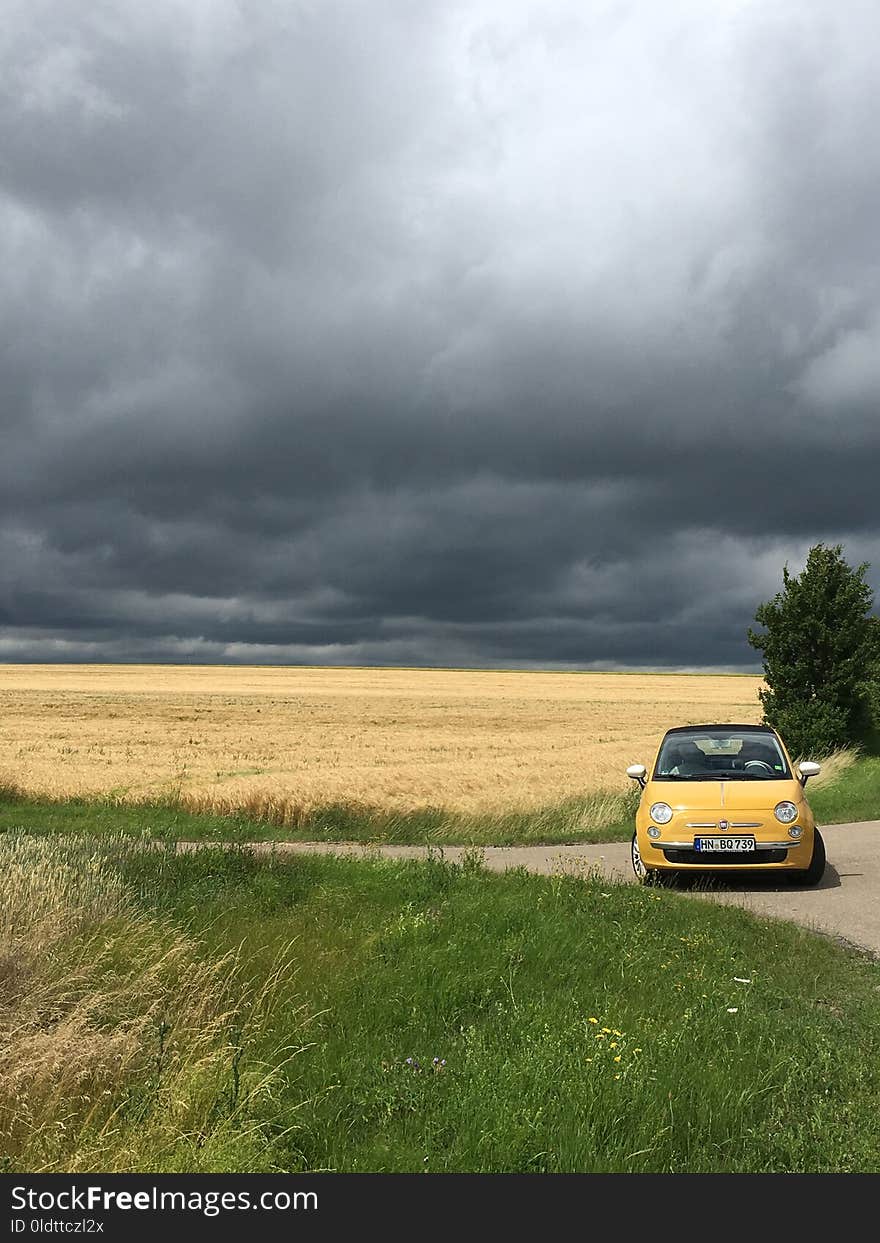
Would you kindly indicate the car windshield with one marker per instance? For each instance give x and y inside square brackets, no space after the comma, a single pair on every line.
[721,754]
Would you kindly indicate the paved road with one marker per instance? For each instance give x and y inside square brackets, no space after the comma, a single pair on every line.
[846,905]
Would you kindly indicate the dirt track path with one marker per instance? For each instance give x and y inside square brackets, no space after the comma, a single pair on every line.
[846,905]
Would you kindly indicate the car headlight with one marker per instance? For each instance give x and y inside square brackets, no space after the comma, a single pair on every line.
[785,812]
[661,812]
[653,831]
[796,832]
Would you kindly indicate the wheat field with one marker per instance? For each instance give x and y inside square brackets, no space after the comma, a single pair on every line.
[226,736]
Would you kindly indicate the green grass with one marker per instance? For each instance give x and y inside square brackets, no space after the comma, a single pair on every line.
[855,796]
[499,978]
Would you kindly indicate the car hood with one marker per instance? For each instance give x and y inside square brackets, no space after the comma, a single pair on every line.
[731,795]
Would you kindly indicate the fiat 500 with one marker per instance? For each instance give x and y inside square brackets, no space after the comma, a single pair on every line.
[721,797]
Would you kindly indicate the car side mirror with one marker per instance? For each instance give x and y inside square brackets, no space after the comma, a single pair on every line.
[808,768]
[637,772]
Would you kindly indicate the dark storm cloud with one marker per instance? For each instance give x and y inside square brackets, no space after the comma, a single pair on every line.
[443,334]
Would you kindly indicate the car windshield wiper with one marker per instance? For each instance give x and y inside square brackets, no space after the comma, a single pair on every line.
[749,776]
[687,777]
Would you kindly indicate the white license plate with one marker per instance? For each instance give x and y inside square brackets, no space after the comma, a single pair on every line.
[724,843]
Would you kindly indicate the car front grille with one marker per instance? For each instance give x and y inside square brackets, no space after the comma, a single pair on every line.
[733,858]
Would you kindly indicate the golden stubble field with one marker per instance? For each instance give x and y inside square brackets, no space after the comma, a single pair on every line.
[223,736]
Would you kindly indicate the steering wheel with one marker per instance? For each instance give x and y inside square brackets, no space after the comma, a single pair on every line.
[758,764]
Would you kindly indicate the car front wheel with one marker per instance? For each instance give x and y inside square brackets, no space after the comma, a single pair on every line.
[643,873]
[814,873]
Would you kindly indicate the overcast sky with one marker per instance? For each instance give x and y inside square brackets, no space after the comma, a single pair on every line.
[482,333]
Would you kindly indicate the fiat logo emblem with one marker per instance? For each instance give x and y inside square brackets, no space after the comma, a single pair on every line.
[724,824]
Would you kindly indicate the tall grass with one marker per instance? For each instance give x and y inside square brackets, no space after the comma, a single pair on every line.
[122,1047]
[572,819]
[592,817]
[847,789]
[834,766]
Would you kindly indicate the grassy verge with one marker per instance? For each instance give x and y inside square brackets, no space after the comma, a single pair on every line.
[466,1022]
[593,818]
[855,795]
[848,791]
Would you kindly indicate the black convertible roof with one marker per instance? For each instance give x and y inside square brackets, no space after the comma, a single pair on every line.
[740,729]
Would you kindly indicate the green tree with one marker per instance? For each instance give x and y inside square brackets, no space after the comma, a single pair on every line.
[872,687]
[820,646]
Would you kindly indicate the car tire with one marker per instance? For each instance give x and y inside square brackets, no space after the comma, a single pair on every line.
[642,873]
[814,873]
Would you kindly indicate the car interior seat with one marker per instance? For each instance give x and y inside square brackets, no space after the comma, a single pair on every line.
[693,758]
[685,757]
[757,751]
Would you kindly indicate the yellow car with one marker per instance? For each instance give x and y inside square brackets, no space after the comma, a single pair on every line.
[722,797]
